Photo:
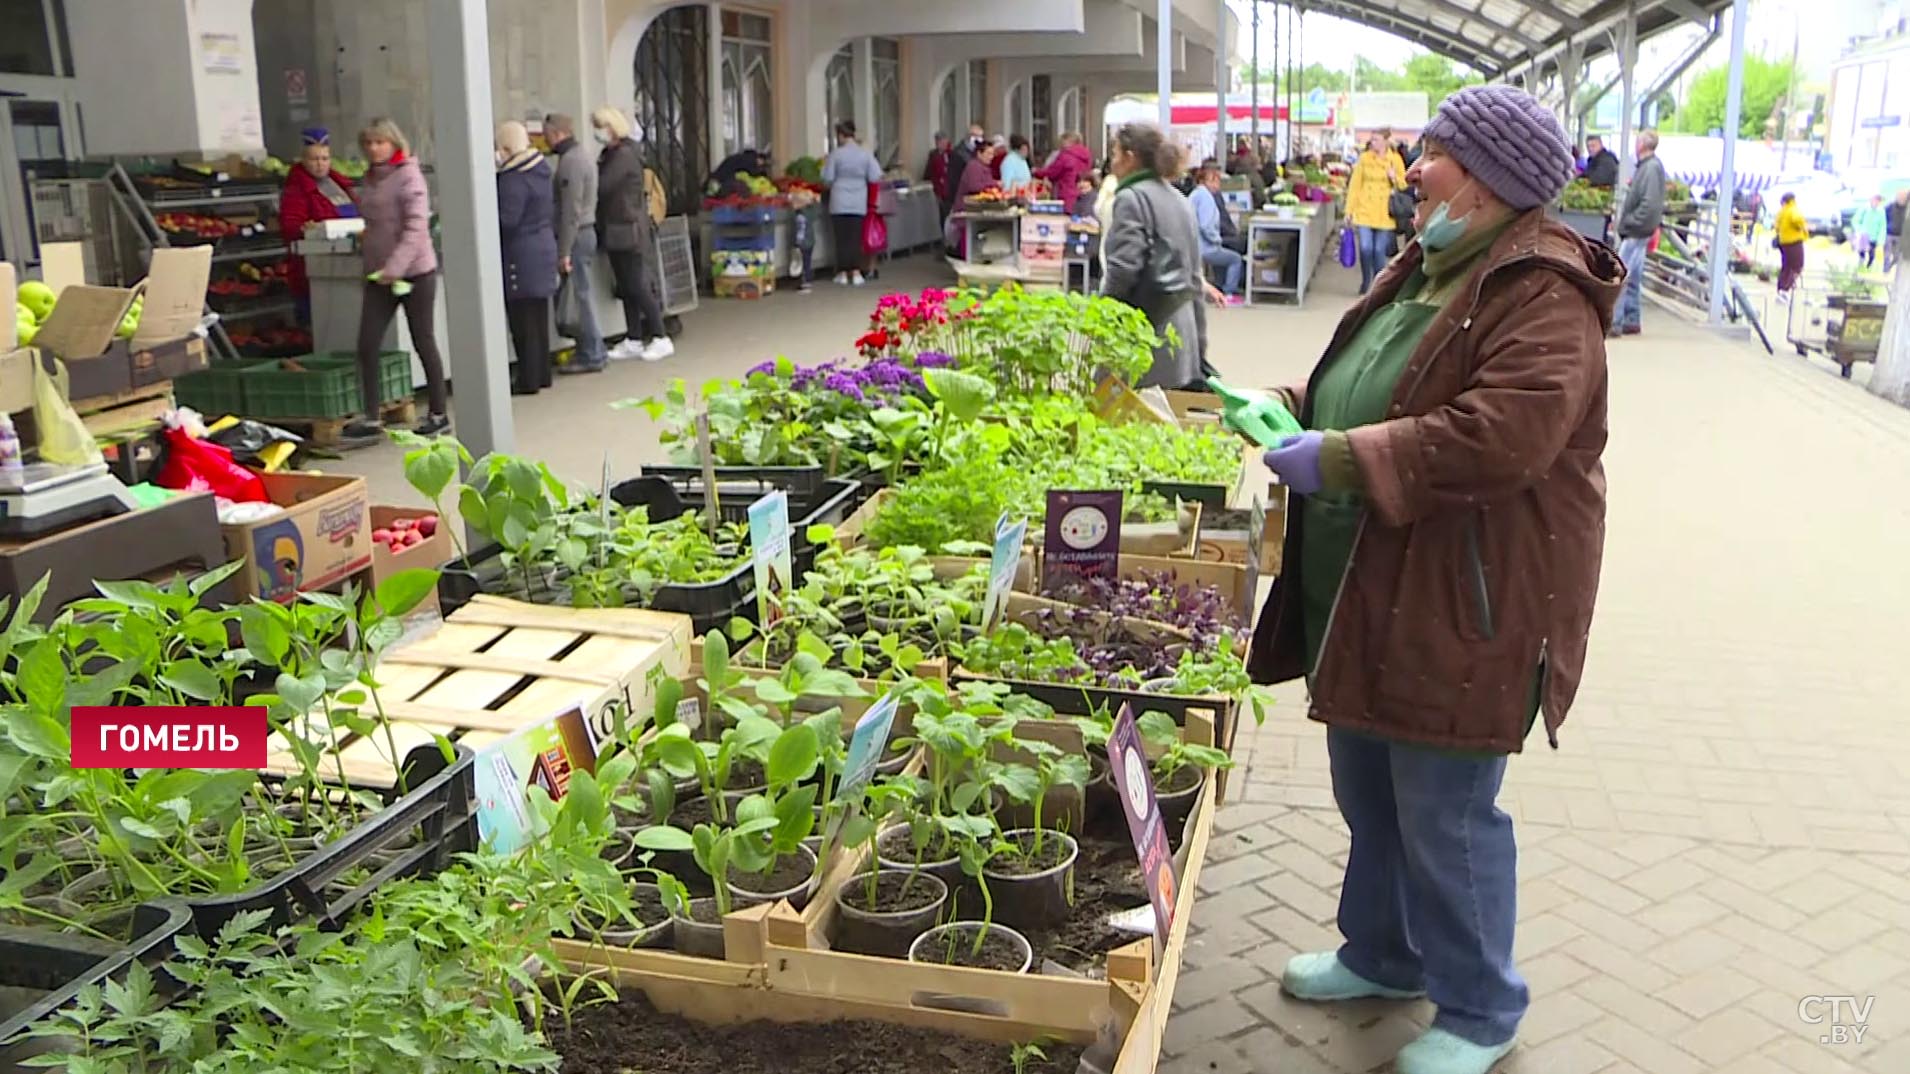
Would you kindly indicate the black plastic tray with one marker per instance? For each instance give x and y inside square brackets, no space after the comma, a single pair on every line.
[443,808]
[710,605]
[749,482]
[442,805]
[60,965]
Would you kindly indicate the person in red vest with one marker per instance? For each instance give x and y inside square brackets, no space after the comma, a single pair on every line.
[313,192]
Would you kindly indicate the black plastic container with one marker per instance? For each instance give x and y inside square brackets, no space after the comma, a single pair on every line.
[710,605]
[58,966]
[441,808]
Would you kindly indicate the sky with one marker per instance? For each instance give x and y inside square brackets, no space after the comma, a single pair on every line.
[1769,30]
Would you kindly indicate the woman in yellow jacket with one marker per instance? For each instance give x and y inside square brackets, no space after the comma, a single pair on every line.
[1792,231]
[1376,175]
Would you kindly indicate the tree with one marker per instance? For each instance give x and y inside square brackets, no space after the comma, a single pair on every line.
[1436,77]
[1376,79]
[1765,84]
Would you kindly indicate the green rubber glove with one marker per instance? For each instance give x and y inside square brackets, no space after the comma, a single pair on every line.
[376,277]
[1256,415]
[400,288]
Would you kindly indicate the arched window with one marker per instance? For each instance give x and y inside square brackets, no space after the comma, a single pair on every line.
[978,93]
[672,80]
[886,61]
[839,83]
[749,107]
[948,110]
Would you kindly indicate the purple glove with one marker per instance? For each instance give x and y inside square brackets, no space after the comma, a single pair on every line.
[1297,462]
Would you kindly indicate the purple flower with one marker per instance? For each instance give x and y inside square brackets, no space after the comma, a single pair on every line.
[933,360]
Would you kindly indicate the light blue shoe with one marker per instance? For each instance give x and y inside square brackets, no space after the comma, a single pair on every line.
[1321,977]
[1440,1052]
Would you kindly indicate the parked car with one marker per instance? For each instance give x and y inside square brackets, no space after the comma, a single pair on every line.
[1826,202]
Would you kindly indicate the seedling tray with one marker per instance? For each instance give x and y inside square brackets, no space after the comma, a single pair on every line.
[58,966]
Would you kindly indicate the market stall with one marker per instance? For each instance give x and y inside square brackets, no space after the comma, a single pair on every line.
[1285,245]
[917,712]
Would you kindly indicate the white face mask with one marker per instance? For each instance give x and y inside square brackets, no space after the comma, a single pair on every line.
[602,136]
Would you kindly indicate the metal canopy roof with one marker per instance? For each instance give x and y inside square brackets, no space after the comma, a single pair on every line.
[1499,37]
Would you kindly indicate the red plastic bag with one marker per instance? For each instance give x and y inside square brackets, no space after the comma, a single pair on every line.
[198,466]
[875,230]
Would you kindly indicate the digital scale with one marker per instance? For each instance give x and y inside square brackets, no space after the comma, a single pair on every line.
[42,497]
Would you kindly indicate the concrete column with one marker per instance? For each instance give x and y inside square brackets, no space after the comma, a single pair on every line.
[963,98]
[714,84]
[473,285]
[1728,176]
[1164,61]
[1627,51]
[1222,83]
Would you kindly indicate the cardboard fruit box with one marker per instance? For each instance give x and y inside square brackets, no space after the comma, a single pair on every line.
[322,537]
[426,555]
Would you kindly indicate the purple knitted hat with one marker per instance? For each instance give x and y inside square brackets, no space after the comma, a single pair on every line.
[1507,140]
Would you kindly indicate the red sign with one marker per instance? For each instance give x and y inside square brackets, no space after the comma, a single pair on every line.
[161,737]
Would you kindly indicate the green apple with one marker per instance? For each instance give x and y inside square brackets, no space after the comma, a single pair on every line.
[37,297]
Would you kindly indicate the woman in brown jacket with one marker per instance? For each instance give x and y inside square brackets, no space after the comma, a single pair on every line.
[1443,563]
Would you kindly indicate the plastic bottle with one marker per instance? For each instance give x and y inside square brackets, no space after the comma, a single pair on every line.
[10,462]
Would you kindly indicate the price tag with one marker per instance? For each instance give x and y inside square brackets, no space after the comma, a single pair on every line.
[1134,780]
[1083,538]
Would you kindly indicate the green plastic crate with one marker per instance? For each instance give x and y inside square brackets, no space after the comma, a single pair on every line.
[212,392]
[324,388]
[394,372]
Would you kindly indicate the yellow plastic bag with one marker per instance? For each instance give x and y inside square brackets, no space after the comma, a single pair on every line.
[63,436]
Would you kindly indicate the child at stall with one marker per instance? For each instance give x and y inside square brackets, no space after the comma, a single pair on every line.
[800,199]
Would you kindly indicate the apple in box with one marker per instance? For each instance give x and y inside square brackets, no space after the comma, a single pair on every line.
[407,538]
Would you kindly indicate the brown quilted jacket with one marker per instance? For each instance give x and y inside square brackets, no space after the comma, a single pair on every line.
[1477,561]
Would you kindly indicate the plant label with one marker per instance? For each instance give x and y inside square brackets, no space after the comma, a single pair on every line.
[1134,780]
[1004,562]
[541,755]
[1083,538]
[769,542]
[1116,403]
[866,743]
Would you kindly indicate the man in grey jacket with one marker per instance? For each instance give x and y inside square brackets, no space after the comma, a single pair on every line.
[576,221]
[1638,219]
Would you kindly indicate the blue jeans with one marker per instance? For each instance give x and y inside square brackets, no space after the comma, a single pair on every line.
[1376,248]
[1631,301]
[589,340]
[1431,885]
[1232,267]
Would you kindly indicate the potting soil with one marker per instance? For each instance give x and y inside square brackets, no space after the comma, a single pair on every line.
[791,870]
[1107,880]
[998,952]
[631,1035]
[889,897]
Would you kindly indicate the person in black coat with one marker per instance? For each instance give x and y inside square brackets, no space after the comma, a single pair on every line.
[1601,166]
[529,245]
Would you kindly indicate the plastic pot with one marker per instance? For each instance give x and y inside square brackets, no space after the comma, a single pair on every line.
[655,935]
[887,933]
[1035,900]
[930,947]
[1176,800]
[1103,799]
[699,939]
[893,853]
[743,894]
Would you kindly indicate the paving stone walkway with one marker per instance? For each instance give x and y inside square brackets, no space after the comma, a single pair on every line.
[1725,831]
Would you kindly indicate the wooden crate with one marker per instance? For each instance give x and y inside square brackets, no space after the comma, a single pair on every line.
[497,666]
[1142,974]
[724,993]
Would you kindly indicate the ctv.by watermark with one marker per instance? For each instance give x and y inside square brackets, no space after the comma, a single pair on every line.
[1843,1019]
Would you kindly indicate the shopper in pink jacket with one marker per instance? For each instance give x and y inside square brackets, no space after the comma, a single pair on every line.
[1070,165]
[401,270]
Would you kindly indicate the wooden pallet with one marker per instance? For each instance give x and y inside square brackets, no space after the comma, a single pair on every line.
[104,415]
[497,666]
[330,432]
